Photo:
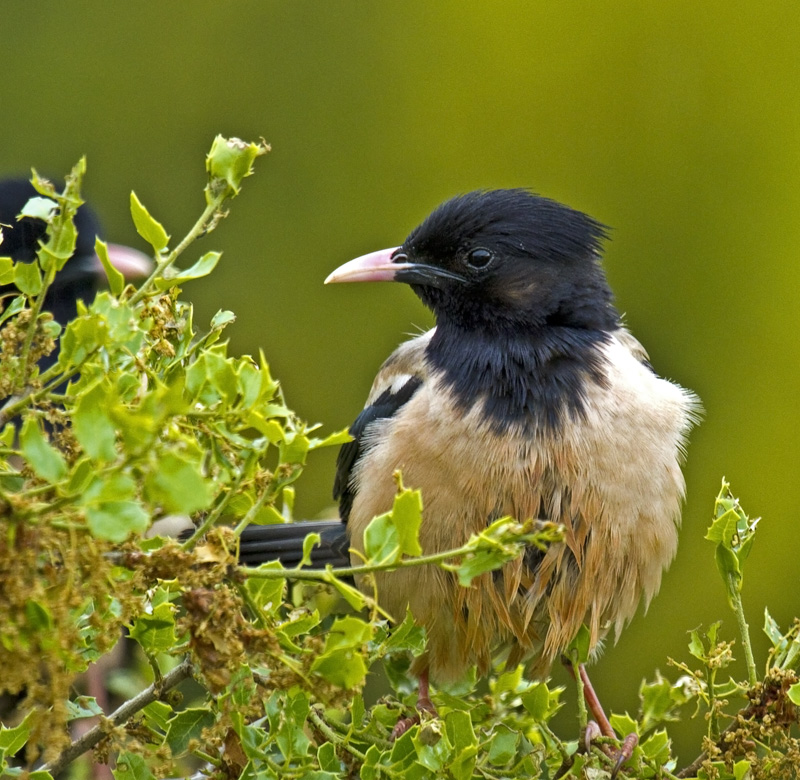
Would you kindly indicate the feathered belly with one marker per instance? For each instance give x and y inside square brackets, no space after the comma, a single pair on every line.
[612,480]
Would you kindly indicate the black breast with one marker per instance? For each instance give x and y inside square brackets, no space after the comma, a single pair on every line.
[535,379]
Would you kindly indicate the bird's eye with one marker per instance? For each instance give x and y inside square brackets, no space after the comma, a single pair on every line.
[479,258]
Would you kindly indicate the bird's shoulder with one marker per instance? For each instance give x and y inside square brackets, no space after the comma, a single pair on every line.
[399,378]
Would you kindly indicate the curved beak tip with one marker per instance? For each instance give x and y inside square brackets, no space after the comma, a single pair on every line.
[373,267]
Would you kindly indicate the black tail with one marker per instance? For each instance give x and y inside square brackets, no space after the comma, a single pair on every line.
[284,542]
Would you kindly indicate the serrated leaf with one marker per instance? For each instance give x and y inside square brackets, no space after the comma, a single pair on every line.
[28,278]
[177,485]
[344,667]
[148,228]
[12,740]
[657,747]
[381,543]
[93,429]
[536,700]
[83,707]
[155,631]
[266,593]
[624,724]
[186,726]
[347,632]
[407,517]
[116,520]
[44,459]
[131,766]
[503,745]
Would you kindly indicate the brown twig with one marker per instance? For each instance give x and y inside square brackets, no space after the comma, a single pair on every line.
[95,735]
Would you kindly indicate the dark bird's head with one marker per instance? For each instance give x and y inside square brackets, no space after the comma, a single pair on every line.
[83,273]
[495,259]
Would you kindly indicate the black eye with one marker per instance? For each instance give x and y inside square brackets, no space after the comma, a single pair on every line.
[479,258]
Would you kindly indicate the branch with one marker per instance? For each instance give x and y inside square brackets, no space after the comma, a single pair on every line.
[95,735]
[692,769]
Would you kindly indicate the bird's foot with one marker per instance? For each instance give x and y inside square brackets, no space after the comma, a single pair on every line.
[618,755]
[424,704]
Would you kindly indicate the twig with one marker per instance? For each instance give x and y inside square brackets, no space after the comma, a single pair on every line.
[691,770]
[95,735]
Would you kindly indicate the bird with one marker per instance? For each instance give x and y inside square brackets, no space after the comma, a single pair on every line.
[81,276]
[529,398]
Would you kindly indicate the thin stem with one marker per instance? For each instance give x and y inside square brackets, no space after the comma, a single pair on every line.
[212,518]
[36,310]
[334,738]
[95,735]
[324,575]
[205,223]
[744,630]
[583,717]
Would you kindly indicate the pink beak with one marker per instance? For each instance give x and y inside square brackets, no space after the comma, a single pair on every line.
[131,263]
[374,267]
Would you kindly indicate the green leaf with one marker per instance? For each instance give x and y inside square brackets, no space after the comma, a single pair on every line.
[503,745]
[348,631]
[328,760]
[381,542]
[221,319]
[116,280]
[228,162]
[12,740]
[148,228]
[15,307]
[44,459]
[578,649]
[28,278]
[657,747]
[461,735]
[624,724]
[92,426]
[203,267]
[794,693]
[407,517]
[116,520]
[332,440]
[155,632]
[343,667]
[83,707]
[267,593]
[39,208]
[177,485]
[186,726]
[131,766]
[158,714]
[536,700]
[6,268]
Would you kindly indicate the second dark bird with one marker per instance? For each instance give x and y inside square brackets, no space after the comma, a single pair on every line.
[529,398]
[83,273]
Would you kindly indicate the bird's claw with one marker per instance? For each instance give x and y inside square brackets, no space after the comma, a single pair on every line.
[591,733]
[618,756]
[424,704]
[625,752]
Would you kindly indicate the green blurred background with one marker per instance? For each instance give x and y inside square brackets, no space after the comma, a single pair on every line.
[677,123]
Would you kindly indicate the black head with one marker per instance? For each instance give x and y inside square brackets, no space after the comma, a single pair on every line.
[497,258]
[21,238]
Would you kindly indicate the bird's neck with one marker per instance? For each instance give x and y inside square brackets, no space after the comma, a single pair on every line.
[534,378]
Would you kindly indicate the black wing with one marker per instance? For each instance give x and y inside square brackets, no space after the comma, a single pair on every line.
[262,543]
[384,406]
